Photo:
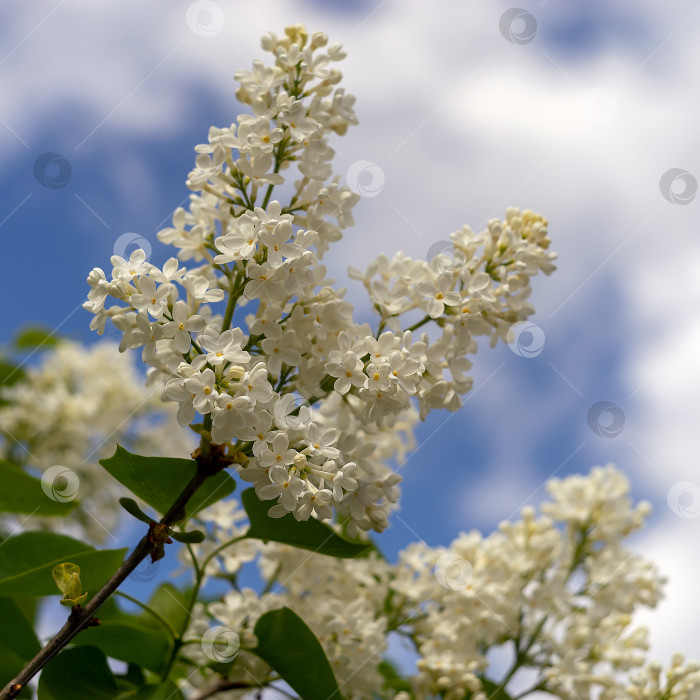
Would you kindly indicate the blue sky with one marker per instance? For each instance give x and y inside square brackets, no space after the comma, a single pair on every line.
[578,122]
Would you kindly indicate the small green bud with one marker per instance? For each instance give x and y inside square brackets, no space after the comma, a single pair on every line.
[67,578]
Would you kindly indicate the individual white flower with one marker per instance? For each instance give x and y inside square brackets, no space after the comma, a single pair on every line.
[171,272]
[240,244]
[175,390]
[264,284]
[181,326]
[344,480]
[268,220]
[128,270]
[300,126]
[202,387]
[439,293]
[258,169]
[266,322]
[259,432]
[279,454]
[317,501]
[198,287]
[139,331]
[379,376]
[230,416]
[348,370]
[291,412]
[224,347]
[254,383]
[278,245]
[258,135]
[282,349]
[321,441]
[99,291]
[151,298]
[207,168]
[287,488]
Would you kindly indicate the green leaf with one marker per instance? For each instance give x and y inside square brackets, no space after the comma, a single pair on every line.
[80,673]
[291,649]
[10,374]
[129,641]
[132,679]
[27,560]
[171,603]
[310,534]
[154,691]
[18,643]
[11,663]
[36,337]
[17,630]
[22,493]
[193,536]
[160,480]
[131,507]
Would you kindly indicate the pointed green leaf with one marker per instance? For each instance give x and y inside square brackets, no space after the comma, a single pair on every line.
[291,648]
[158,481]
[129,641]
[27,560]
[11,663]
[132,679]
[22,493]
[18,643]
[310,534]
[36,337]
[171,603]
[17,631]
[131,507]
[80,673]
[193,536]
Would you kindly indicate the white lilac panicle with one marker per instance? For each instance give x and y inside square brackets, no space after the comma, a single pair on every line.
[296,366]
[541,585]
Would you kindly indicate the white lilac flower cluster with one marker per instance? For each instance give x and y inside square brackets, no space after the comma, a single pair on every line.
[310,403]
[557,590]
[68,411]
